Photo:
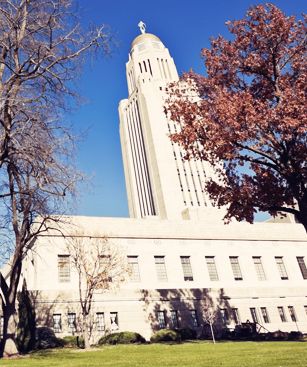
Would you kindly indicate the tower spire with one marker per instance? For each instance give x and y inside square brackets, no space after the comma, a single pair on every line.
[142,26]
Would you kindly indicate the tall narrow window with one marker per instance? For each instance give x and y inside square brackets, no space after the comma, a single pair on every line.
[71,319]
[224,315]
[114,321]
[305,307]
[161,319]
[105,263]
[254,314]
[174,319]
[194,318]
[186,267]
[57,322]
[281,267]
[234,261]
[265,314]
[282,314]
[210,260]
[149,67]
[302,265]
[100,321]
[145,67]
[134,266]
[292,313]
[259,268]
[236,316]
[64,268]
[160,268]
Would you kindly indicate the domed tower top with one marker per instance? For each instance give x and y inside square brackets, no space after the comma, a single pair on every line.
[144,37]
[149,61]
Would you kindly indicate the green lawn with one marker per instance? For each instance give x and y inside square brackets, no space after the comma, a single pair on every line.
[198,354]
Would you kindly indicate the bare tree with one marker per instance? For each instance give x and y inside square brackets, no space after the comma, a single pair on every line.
[41,49]
[209,315]
[101,266]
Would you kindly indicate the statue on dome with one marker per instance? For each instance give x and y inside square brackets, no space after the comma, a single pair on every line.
[142,27]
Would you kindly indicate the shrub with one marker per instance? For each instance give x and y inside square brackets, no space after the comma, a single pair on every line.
[277,335]
[187,333]
[45,338]
[165,335]
[295,335]
[124,337]
[71,341]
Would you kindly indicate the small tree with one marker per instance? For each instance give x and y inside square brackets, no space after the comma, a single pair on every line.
[99,265]
[209,314]
[251,115]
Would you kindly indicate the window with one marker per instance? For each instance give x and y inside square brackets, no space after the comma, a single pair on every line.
[211,268]
[186,267]
[254,314]
[161,319]
[114,321]
[134,265]
[194,318]
[224,315]
[234,261]
[105,264]
[281,267]
[292,313]
[160,268]
[100,321]
[236,317]
[259,268]
[302,265]
[57,322]
[305,307]
[64,268]
[174,319]
[71,322]
[282,315]
[265,315]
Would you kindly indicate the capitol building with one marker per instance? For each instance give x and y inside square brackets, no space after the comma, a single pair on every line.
[185,262]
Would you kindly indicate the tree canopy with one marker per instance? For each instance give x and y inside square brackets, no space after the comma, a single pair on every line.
[250,114]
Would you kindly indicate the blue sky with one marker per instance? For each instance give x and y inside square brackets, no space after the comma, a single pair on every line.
[185,27]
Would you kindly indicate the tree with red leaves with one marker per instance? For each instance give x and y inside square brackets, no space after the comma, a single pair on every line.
[251,115]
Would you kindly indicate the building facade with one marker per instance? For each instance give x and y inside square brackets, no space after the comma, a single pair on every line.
[187,266]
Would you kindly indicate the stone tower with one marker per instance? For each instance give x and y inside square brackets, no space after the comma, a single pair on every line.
[159,181]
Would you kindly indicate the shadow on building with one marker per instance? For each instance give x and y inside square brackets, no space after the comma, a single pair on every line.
[190,308]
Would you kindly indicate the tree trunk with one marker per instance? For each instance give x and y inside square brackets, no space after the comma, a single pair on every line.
[212,332]
[85,332]
[8,346]
[8,342]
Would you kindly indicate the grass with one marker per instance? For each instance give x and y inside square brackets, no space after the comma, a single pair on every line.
[198,354]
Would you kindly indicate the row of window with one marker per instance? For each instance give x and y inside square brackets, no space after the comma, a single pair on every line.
[64,268]
[258,315]
[191,175]
[281,311]
[139,159]
[72,322]
[174,319]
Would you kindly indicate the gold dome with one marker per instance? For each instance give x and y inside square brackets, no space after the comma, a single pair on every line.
[143,37]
